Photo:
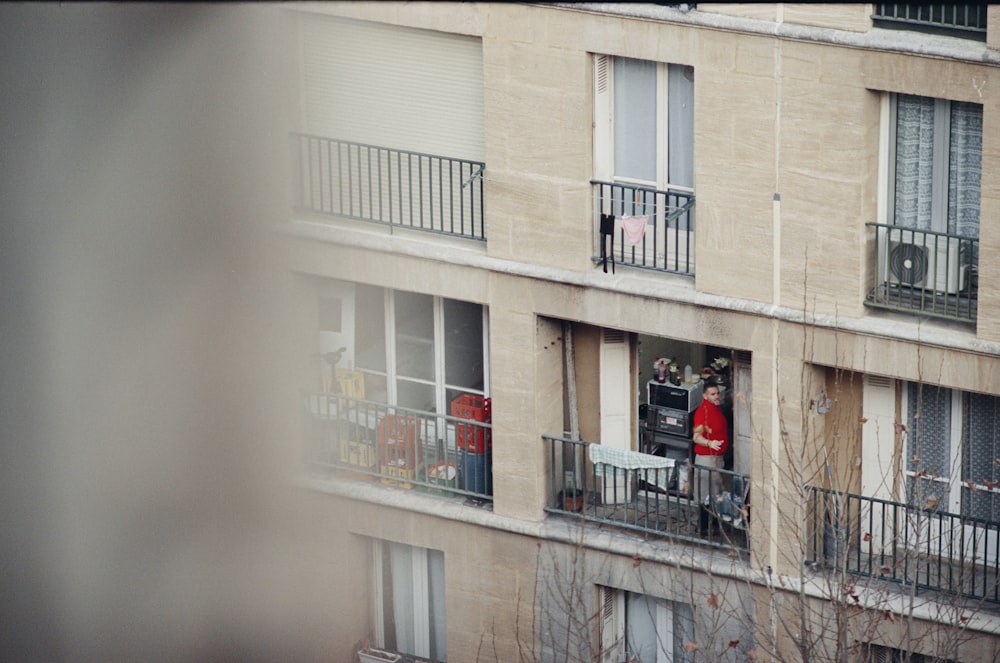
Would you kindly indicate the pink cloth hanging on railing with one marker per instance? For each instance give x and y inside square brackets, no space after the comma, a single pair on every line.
[634,227]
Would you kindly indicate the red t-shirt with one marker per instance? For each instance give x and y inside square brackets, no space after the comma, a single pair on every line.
[716,428]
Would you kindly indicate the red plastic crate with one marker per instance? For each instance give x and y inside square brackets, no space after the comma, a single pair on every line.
[469,437]
[399,442]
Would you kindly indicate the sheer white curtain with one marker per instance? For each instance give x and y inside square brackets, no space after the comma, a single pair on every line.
[938,158]
[965,168]
[914,162]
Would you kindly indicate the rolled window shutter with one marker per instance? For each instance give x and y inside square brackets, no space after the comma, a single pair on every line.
[391,86]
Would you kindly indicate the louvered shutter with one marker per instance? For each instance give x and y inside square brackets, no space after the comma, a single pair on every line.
[392,86]
[612,625]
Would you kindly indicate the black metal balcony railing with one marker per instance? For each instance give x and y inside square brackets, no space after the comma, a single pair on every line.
[965,20]
[924,272]
[654,502]
[401,447]
[667,244]
[902,543]
[389,186]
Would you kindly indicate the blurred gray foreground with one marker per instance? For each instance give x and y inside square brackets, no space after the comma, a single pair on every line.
[145,410]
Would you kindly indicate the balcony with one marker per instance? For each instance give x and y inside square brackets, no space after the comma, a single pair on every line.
[913,546]
[411,449]
[664,243]
[958,20]
[650,495]
[391,187]
[928,273]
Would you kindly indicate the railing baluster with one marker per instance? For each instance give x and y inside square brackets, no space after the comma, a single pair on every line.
[929,549]
[391,187]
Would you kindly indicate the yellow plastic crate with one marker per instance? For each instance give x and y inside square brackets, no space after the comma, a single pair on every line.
[404,476]
[352,383]
[357,453]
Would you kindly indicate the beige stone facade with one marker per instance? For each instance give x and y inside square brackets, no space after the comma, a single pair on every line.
[788,147]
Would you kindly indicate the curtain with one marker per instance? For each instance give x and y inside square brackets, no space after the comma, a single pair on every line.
[916,176]
[914,161]
[929,442]
[435,607]
[981,447]
[413,586]
[965,169]
[656,630]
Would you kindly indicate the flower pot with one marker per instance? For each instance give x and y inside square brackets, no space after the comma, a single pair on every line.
[378,656]
[571,501]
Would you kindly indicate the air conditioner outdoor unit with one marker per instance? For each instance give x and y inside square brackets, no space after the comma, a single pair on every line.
[935,264]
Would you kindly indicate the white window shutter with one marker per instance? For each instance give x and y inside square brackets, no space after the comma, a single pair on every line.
[612,625]
[615,391]
[878,449]
[392,86]
[603,118]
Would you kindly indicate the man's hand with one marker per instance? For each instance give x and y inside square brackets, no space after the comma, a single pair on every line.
[714,445]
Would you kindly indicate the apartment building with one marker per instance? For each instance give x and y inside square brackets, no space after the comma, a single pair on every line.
[527,239]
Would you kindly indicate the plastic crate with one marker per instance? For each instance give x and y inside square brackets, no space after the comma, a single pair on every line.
[477,473]
[357,453]
[351,383]
[476,439]
[402,476]
[399,442]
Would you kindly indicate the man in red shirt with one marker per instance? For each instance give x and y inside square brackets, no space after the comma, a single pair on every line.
[711,440]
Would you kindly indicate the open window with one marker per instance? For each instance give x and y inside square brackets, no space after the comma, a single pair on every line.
[637,627]
[409,600]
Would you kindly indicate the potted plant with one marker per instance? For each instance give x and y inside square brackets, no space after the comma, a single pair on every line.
[372,655]
[571,497]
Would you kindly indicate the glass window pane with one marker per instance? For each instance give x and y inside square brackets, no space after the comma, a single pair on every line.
[437,617]
[369,328]
[414,335]
[979,454]
[415,395]
[463,344]
[635,119]
[680,124]
[642,641]
[929,442]
[965,168]
[914,161]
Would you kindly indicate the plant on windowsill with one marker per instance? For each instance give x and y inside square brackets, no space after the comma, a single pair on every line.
[571,497]
[372,655]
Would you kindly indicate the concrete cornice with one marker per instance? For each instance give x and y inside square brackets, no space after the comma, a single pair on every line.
[877,39]
[634,282]
[880,596]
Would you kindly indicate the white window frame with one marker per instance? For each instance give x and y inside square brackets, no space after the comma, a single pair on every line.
[422,596]
[939,161]
[614,627]
[391,375]
[604,126]
[956,482]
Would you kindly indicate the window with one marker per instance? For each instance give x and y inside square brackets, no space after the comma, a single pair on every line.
[644,161]
[392,86]
[415,350]
[953,442]
[957,20]
[644,122]
[935,165]
[883,654]
[642,629]
[409,610]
